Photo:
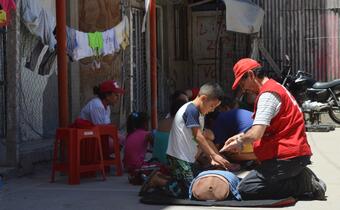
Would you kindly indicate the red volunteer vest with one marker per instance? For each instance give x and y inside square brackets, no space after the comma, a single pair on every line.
[285,137]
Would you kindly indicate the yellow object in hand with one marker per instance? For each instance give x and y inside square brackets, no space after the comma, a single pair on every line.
[247,148]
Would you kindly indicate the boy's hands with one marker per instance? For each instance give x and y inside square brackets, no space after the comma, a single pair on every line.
[217,159]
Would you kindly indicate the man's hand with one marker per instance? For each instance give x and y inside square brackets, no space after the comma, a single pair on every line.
[233,144]
[218,160]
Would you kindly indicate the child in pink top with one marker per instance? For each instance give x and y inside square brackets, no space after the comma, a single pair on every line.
[136,143]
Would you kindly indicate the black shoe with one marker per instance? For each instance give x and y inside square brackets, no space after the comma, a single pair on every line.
[319,186]
[319,189]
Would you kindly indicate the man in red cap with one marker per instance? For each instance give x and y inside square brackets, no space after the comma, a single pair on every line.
[97,110]
[283,149]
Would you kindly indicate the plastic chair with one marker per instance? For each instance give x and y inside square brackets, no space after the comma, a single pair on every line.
[71,139]
[105,132]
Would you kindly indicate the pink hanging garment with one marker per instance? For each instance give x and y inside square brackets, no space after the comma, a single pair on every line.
[6,6]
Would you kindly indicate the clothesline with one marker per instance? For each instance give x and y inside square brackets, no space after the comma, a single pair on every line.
[94,44]
[42,24]
[81,45]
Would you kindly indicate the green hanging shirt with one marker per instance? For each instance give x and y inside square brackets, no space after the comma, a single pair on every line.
[96,41]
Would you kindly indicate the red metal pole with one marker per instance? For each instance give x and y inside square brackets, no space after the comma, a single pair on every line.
[153,63]
[62,63]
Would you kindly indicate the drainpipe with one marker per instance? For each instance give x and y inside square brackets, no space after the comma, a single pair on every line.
[153,63]
[62,63]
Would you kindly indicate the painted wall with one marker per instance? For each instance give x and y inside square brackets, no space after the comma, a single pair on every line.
[212,50]
[31,99]
[38,98]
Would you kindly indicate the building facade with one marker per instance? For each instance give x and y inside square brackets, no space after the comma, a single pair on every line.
[193,46]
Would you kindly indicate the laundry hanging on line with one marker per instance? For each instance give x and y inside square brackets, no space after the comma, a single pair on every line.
[81,44]
[122,32]
[41,60]
[39,22]
[111,44]
[78,43]
[96,42]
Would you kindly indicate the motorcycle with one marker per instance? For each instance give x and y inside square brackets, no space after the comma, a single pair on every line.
[312,96]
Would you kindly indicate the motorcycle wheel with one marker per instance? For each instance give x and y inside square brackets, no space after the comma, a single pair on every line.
[334,111]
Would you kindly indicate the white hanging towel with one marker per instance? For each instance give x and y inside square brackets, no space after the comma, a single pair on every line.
[111,44]
[123,32]
[83,49]
[243,16]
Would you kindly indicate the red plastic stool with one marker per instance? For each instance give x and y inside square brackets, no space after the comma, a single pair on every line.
[105,132]
[70,139]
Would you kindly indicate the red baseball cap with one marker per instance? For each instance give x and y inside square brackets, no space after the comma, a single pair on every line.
[241,67]
[195,92]
[110,86]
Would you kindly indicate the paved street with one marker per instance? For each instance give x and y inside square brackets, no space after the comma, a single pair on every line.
[35,192]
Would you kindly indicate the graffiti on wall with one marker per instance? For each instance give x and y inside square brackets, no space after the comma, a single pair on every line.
[215,49]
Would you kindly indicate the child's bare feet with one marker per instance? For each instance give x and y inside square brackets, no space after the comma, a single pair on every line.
[158,180]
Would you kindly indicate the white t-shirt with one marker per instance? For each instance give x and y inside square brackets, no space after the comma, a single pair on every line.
[182,144]
[95,112]
[110,45]
[83,49]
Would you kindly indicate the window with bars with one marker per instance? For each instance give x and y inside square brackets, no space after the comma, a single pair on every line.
[139,68]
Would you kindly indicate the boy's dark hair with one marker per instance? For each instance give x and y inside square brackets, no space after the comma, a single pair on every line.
[100,94]
[175,105]
[136,120]
[212,90]
[176,95]
[227,101]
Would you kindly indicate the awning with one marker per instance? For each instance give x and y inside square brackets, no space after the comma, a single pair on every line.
[243,16]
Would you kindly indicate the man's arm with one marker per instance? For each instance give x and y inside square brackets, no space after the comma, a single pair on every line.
[235,143]
[254,133]
[267,108]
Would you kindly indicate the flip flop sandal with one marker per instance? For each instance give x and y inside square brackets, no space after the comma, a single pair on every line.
[145,187]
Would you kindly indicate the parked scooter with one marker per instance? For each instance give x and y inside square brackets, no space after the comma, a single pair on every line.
[312,96]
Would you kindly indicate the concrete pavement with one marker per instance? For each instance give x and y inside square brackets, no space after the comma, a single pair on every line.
[35,192]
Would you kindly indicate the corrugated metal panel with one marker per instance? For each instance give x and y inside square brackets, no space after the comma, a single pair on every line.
[333,4]
[306,30]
